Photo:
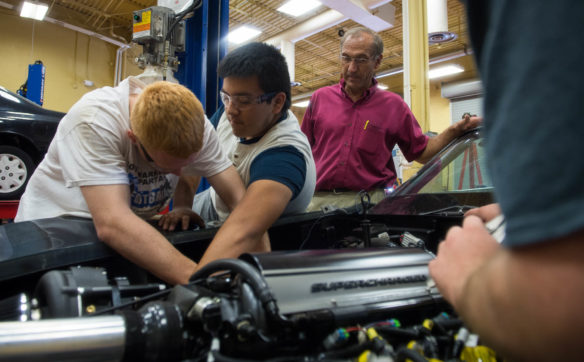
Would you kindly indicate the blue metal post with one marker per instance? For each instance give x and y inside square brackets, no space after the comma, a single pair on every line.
[36,83]
[192,71]
[205,44]
[218,28]
[206,32]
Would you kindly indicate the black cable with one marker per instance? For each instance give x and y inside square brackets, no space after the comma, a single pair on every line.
[459,209]
[180,16]
[365,201]
[142,300]
[222,358]
[255,280]
[375,345]
[127,304]
[404,353]
[342,211]
[445,325]
[389,332]
[310,231]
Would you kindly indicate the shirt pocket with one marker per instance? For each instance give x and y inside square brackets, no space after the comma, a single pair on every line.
[371,139]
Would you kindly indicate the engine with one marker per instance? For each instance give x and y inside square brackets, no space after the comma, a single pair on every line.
[313,305]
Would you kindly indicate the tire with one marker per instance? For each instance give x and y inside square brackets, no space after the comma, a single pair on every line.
[16,167]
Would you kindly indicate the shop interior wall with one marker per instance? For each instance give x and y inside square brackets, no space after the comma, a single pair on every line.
[69,57]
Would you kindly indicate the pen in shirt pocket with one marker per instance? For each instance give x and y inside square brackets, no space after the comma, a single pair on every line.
[366,123]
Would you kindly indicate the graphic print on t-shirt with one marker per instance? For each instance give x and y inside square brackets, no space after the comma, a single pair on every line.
[150,190]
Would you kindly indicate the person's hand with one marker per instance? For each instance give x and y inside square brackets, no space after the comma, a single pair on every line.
[467,123]
[183,215]
[464,250]
[485,213]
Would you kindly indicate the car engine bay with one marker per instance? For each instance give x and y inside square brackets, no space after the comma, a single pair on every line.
[338,286]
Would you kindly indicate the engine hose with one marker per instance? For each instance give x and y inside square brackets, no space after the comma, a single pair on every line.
[446,325]
[394,332]
[255,280]
[223,358]
[404,354]
[375,345]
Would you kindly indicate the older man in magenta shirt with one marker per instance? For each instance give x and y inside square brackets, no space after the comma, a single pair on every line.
[353,127]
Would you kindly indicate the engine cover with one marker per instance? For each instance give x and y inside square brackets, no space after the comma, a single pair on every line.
[348,282]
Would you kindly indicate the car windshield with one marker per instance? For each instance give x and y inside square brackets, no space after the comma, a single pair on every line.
[463,169]
[454,181]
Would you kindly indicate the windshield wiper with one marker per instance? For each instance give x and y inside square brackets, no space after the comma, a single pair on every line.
[454,210]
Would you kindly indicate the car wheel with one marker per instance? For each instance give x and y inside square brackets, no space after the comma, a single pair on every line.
[16,167]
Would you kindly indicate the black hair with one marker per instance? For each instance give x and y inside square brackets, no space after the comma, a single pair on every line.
[262,60]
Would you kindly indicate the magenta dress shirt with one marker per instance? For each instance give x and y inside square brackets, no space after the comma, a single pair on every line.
[352,142]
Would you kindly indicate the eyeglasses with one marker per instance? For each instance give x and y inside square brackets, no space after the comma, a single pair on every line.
[345,59]
[244,100]
[146,154]
[150,160]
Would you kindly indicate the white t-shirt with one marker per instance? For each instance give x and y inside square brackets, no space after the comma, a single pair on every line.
[91,147]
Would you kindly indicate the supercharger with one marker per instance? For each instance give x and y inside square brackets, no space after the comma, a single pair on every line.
[257,307]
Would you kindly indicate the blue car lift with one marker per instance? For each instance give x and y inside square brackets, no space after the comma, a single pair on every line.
[206,45]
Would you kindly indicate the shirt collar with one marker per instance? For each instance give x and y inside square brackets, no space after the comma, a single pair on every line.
[255,139]
[368,92]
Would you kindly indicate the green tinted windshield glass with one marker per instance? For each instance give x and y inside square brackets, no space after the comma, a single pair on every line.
[464,169]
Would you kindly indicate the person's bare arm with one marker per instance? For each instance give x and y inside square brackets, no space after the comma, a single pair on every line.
[440,141]
[226,183]
[132,237]
[533,293]
[185,191]
[228,186]
[245,229]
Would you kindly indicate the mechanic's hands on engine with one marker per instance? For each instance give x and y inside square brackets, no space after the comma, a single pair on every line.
[464,250]
[182,215]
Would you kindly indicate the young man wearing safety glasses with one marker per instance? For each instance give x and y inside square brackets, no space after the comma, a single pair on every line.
[263,140]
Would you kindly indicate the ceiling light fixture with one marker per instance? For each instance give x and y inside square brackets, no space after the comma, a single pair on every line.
[437,11]
[298,7]
[243,34]
[382,86]
[390,72]
[302,104]
[33,10]
[445,70]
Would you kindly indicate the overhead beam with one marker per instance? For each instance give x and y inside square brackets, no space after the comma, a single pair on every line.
[318,23]
[358,12]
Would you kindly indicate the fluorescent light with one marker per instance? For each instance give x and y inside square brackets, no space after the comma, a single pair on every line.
[389,72]
[445,70]
[382,86]
[298,7]
[33,10]
[302,104]
[243,34]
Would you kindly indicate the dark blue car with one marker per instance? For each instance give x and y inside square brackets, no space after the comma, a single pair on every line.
[26,130]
